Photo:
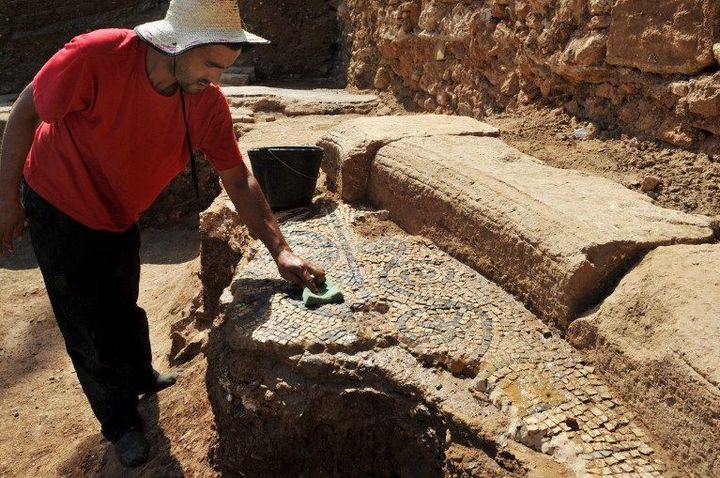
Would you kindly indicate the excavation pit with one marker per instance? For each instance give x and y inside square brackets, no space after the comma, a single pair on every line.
[426,369]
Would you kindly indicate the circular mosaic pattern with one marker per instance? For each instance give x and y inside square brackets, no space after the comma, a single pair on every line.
[443,326]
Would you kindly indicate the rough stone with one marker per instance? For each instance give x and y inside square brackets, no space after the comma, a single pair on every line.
[223,241]
[673,36]
[650,183]
[587,50]
[471,58]
[242,115]
[656,338]
[555,238]
[294,102]
[351,146]
[235,79]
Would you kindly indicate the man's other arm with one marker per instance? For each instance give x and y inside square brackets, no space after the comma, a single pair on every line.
[254,211]
[17,140]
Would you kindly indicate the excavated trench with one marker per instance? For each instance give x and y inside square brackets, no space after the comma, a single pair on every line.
[404,378]
[276,421]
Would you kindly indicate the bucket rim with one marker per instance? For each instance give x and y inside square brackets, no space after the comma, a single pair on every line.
[286,148]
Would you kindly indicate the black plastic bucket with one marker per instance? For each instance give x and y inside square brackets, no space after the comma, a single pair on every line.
[287,174]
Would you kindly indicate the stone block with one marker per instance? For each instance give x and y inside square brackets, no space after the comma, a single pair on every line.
[351,146]
[657,337]
[235,79]
[557,239]
[673,36]
[296,102]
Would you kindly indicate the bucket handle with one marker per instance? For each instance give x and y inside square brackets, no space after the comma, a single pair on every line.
[315,178]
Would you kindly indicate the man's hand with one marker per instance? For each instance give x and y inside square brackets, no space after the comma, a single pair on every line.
[299,271]
[12,222]
[253,211]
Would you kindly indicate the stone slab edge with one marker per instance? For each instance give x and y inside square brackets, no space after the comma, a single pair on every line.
[300,102]
[474,241]
[347,162]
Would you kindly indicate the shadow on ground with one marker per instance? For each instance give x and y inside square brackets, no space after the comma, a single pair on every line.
[95,456]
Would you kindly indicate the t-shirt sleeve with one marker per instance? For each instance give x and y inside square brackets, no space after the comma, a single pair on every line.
[218,141]
[64,84]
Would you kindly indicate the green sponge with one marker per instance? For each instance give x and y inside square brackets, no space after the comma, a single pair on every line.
[326,294]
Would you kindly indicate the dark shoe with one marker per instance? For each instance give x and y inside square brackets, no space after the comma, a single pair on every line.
[132,449]
[162,381]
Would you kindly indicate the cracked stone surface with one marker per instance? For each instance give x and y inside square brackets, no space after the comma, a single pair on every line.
[425,355]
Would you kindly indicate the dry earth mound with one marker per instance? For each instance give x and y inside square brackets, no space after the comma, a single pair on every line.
[656,337]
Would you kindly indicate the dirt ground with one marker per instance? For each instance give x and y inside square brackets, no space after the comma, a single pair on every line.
[47,427]
[675,178]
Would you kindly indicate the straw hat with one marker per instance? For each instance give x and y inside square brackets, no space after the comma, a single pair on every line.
[191,23]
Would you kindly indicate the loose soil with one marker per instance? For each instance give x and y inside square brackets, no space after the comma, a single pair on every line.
[48,428]
[687,181]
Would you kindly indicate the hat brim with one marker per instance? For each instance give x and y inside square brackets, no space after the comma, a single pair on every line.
[169,40]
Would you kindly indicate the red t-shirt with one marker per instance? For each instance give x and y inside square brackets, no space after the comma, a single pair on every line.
[109,143]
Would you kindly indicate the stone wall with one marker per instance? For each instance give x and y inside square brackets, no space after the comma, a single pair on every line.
[31,31]
[650,67]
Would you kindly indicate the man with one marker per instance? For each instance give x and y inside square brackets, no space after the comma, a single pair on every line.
[102,129]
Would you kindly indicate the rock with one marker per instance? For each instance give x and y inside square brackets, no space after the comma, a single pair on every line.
[382,78]
[195,346]
[178,198]
[294,102]
[650,183]
[705,101]
[600,7]
[223,239]
[673,36]
[247,70]
[554,238]
[656,339]
[675,134]
[587,50]
[599,22]
[234,79]
[242,115]
[716,52]
[4,115]
[351,146]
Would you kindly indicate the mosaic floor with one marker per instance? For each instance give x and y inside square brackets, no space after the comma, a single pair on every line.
[404,290]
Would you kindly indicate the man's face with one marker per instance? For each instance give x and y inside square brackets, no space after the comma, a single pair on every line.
[197,68]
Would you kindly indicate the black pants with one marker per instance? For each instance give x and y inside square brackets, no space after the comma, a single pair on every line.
[92,279]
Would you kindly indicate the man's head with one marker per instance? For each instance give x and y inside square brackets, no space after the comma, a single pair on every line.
[196,68]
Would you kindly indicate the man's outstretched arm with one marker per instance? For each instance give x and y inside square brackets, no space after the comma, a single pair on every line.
[17,140]
[254,211]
